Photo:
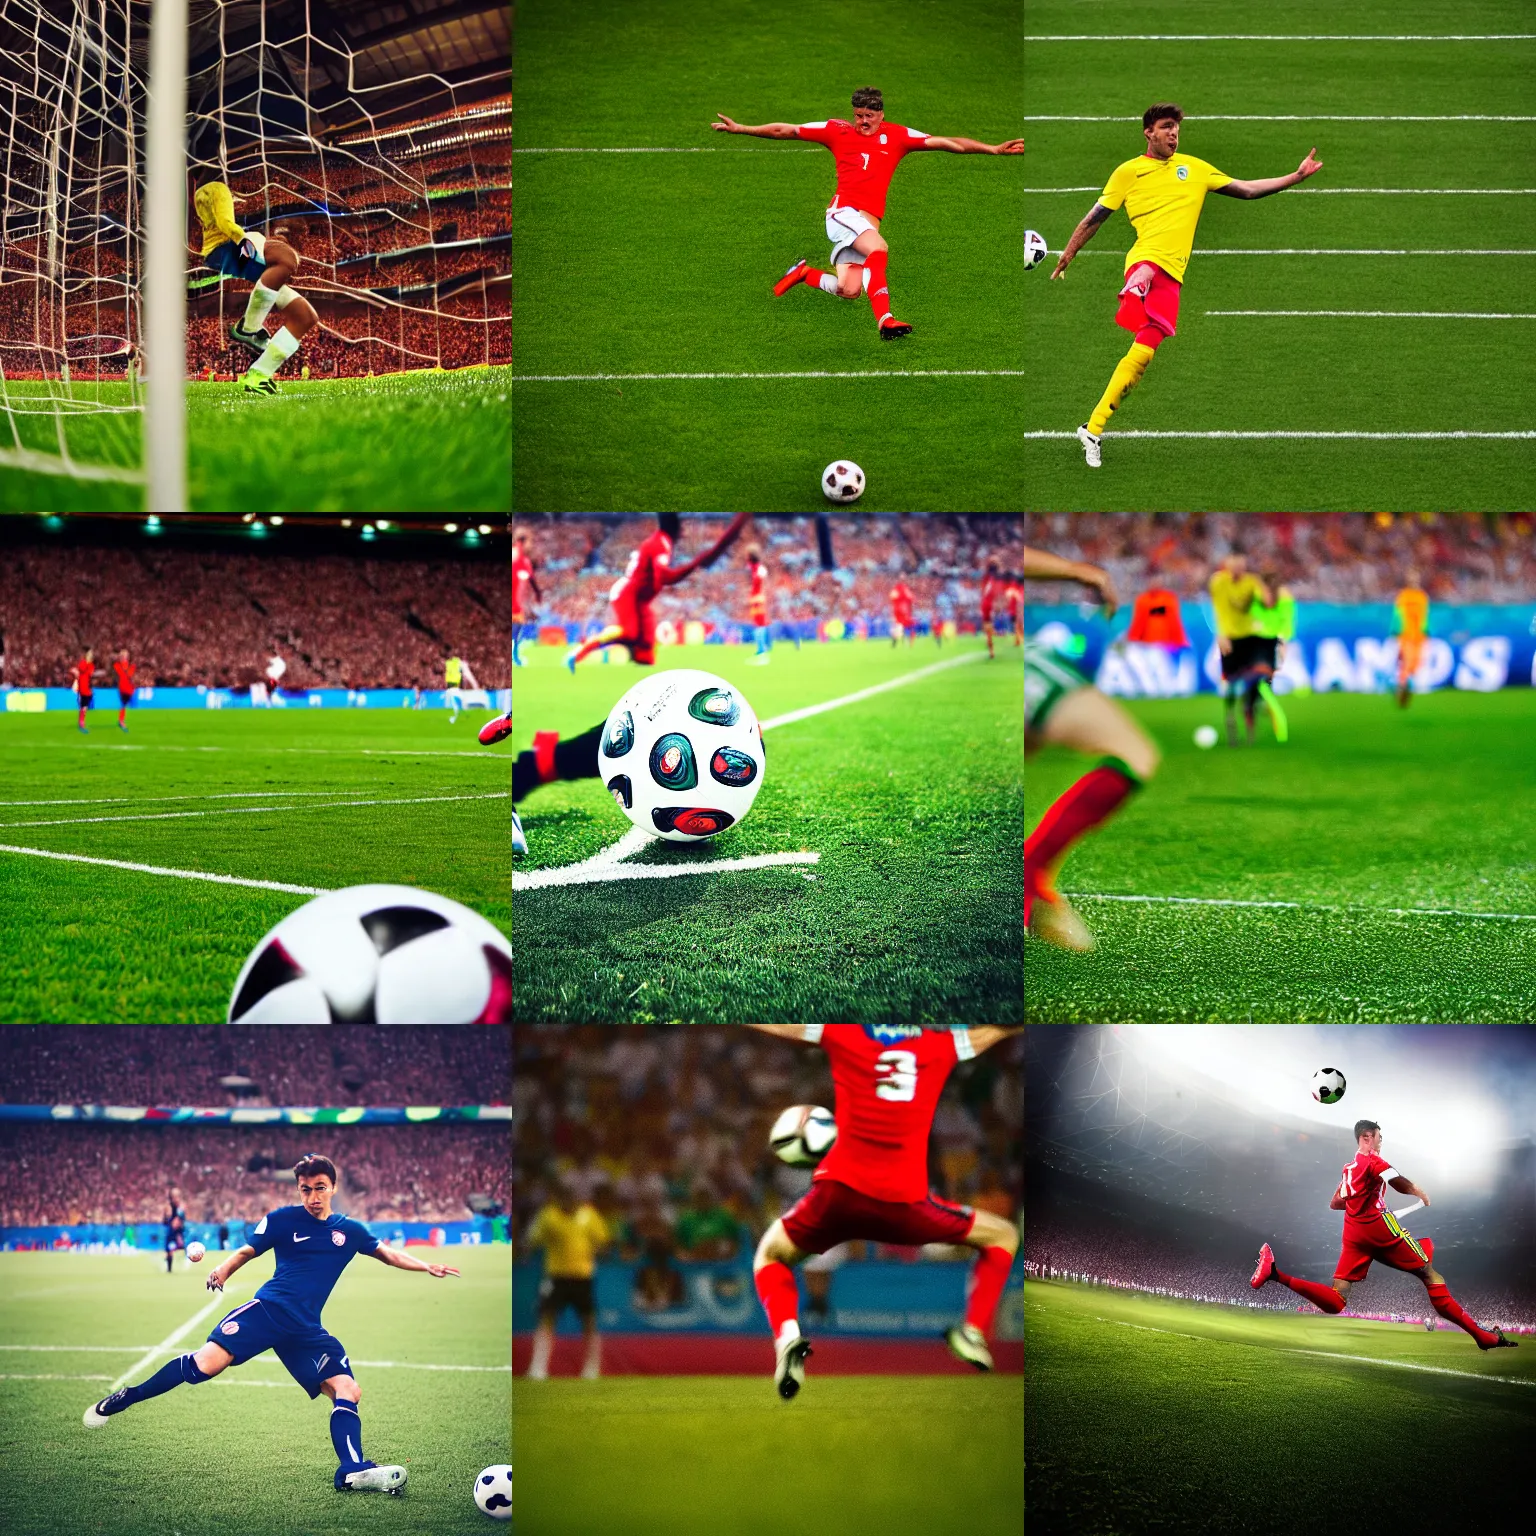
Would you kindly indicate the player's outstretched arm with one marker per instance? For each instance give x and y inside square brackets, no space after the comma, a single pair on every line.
[1087,228]
[1406,1186]
[221,1272]
[983,1038]
[957,146]
[1047,567]
[398,1260]
[762,131]
[1309,166]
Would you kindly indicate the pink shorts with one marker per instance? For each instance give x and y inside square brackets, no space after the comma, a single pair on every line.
[1159,308]
[830,1213]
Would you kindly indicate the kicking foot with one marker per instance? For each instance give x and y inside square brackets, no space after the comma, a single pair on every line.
[498,730]
[1053,919]
[390,1480]
[1500,1342]
[519,840]
[98,1413]
[259,384]
[1092,451]
[1265,1269]
[796,274]
[968,1342]
[789,1368]
[255,340]
[891,328]
[570,661]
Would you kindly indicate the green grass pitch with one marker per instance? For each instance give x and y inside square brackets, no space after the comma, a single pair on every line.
[438,442]
[248,1450]
[1148,1417]
[1388,830]
[705,1455]
[664,263]
[344,799]
[1318,374]
[912,799]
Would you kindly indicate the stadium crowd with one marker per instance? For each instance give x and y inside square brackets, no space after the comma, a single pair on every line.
[213,1066]
[666,1132]
[1339,557]
[192,618]
[69,1174]
[941,558]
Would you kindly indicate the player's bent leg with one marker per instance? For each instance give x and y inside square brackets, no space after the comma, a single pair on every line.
[775,1247]
[780,1296]
[998,1242]
[1092,723]
[184,1370]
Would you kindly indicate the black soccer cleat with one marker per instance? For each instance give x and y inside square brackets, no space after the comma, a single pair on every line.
[98,1413]
[891,329]
[255,340]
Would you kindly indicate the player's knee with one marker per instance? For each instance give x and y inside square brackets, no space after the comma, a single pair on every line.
[1144,759]
[209,1360]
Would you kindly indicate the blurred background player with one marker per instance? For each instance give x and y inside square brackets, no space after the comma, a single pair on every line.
[80,676]
[267,262]
[175,1227]
[457,676]
[1274,627]
[991,589]
[276,669]
[571,1233]
[1234,591]
[757,605]
[124,670]
[1013,600]
[1410,610]
[903,619]
[1062,708]
[523,583]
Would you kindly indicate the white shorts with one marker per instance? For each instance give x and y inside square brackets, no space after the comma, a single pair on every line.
[844,226]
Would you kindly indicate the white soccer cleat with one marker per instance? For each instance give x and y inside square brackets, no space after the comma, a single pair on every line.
[389,1480]
[519,838]
[967,1342]
[789,1366]
[1055,920]
[94,1418]
[1092,447]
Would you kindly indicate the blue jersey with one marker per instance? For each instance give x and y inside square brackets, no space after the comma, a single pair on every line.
[311,1255]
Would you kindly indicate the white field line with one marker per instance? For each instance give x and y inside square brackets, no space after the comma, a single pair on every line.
[1307,436]
[78,1349]
[54,1378]
[240,794]
[873,373]
[252,810]
[1281,37]
[607,864]
[1318,250]
[150,1349]
[156,869]
[1301,117]
[48,464]
[1358,191]
[1317,906]
[1382,314]
[168,1343]
[257,751]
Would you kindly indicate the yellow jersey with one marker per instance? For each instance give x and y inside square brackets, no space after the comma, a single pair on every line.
[215,205]
[1163,199]
[453,672]
[1233,598]
[570,1240]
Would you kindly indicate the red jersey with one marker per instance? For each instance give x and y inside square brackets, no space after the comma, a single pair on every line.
[125,671]
[865,162]
[1363,1188]
[990,587]
[647,571]
[86,670]
[901,603]
[1013,596]
[757,600]
[522,575]
[887,1078]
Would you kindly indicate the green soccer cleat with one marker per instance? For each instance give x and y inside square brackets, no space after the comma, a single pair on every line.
[258,384]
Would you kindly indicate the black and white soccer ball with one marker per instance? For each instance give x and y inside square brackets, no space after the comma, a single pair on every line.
[377,954]
[493,1492]
[842,482]
[1327,1085]
[1035,249]
[803,1135]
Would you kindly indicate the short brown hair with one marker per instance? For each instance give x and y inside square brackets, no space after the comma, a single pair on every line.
[1154,115]
[311,1164]
[869,96]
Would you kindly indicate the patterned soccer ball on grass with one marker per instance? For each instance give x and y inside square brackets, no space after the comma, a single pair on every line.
[682,755]
[1034,249]
[842,482]
[493,1492]
[377,954]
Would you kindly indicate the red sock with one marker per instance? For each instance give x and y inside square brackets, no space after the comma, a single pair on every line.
[780,1296]
[812,277]
[1319,1295]
[544,744]
[987,1280]
[879,294]
[1080,809]
[1448,1307]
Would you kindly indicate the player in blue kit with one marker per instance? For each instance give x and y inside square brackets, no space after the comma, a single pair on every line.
[312,1247]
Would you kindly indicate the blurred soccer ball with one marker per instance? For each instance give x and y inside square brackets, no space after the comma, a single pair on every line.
[1034,249]
[842,481]
[1205,736]
[493,1492]
[195,1252]
[1328,1085]
[803,1135]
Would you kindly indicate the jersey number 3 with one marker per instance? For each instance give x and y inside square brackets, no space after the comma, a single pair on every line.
[896,1076]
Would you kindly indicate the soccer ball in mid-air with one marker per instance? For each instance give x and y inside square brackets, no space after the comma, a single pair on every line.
[803,1135]
[493,1492]
[377,954]
[1034,249]
[682,755]
[195,1252]
[1328,1085]
[1205,737]
[842,481]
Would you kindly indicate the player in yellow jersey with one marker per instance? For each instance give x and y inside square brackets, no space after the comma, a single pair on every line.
[1163,193]
[267,262]
[571,1232]
[1234,592]
[1411,607]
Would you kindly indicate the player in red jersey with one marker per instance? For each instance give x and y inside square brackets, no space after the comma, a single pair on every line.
[1372,1232]
[648,573]
[1013,599]
[80,681]
[125,670]
[991,590]
[867,152]
[757,605]
[874,1182]
[522,584]
[903,620]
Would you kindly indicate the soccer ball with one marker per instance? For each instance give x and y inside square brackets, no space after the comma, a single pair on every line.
[1034,249]
[1205,737]
[682,755]
[493,1492]
[843,481]
[377,954]
[195,1252]
[1328,1085]
[803,1135]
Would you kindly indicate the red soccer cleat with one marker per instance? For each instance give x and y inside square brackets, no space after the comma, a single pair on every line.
[498,730]
[796,274]
[1266,1267]
[891,328]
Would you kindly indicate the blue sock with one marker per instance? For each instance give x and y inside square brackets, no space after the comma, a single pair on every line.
[172,1374]
[517,640]
[347,1434]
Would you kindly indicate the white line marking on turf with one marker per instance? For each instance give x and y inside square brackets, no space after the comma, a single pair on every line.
[155,869]
[79,1349]
[54,1378]
[1361,191]
[252,810]
[873,373]
[868,693]
[1382,314]
[1317,906]
[260,751]
[169,1342]
[1302,117]
[1305,436]
[240,794]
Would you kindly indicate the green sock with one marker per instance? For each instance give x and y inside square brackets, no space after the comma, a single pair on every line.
[1276,714]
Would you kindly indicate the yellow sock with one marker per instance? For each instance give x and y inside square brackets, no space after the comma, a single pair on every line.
[1127,372]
